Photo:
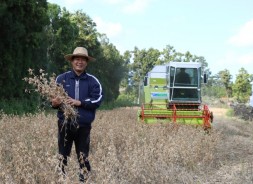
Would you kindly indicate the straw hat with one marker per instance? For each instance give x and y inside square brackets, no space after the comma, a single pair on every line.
[79,51]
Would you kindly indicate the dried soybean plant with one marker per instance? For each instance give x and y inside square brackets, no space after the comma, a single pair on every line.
[49,89]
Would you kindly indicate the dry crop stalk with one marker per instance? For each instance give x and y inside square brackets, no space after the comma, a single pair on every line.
[49,89]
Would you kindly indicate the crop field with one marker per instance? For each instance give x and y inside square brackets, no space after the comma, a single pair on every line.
[125,151]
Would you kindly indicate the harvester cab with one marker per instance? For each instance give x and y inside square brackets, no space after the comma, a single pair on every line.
[172,93]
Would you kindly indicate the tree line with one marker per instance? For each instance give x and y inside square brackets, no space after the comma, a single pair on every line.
[37,34]
[222,85]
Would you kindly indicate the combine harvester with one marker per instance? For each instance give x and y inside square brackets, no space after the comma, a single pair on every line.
[172,93]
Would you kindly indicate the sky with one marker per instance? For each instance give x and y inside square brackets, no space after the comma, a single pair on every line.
[219,30]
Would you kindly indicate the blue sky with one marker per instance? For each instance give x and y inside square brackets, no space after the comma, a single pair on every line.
[219,30]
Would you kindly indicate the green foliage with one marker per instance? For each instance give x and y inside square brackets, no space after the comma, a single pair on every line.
[78,29]
[126,99]
[19,106]
[22,43]
[214,87]
[220,85]
[242,86]
[110,68]
[122,101]
[59,32]
[225,78]
[230,113]
[88,35]
[125,80]
[144,61]
[38,36]
[213,91]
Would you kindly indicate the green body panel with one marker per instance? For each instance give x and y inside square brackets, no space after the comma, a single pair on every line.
[161,95]
[155,92]
[157,81]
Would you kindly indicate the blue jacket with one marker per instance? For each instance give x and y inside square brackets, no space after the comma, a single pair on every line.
[90,95]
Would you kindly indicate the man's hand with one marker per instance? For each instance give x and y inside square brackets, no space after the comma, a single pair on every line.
[73,102]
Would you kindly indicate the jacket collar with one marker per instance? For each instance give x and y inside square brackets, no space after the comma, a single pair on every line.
[74,76]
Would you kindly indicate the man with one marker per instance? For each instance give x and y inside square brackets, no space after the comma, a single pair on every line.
[85,94]
[183,77]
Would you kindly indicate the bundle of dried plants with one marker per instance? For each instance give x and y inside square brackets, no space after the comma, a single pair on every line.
[47,87]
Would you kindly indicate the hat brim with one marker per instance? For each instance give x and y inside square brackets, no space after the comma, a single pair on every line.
[70,56]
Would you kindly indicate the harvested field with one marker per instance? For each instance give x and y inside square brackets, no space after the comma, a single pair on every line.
[126,151]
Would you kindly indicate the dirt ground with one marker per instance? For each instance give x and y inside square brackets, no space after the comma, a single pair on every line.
[219,112]
[235,151]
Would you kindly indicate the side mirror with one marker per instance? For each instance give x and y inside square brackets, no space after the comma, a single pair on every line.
[205,78]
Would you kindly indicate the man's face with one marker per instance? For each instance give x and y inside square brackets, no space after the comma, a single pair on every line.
[79,64]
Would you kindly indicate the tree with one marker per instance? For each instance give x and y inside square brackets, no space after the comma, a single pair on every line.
[214,87]
[226,77]
[69,30]
[22,43]
[188,57]
[61,37]
[127,64]
[88,35]
[143,61]
[242,86]
[168,54]
[114,69]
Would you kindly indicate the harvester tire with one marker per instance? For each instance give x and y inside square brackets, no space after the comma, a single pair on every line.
[211,116]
